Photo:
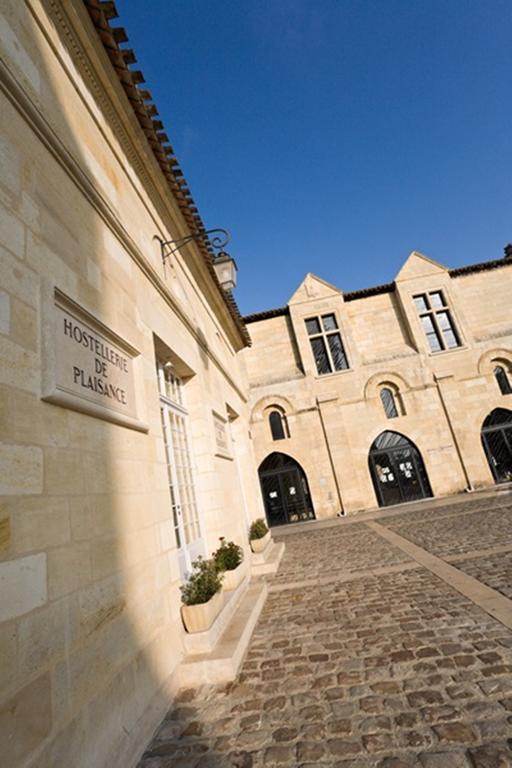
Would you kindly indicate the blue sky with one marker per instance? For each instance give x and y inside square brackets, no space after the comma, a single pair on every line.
[333,136]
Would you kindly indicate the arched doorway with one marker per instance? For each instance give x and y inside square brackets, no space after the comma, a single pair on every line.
[397,470]
[497,443]
[285,490]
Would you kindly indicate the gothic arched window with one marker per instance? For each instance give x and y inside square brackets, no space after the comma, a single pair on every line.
[278,425]
[501,377]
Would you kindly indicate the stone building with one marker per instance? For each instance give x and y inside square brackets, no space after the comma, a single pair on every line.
[124,447]
[384,395]
[131,406]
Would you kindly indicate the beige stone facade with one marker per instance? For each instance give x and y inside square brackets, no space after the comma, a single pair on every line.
[91,637]
[122,375]
[442,396]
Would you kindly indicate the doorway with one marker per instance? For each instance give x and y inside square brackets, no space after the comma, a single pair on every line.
[285,490]
[497,443]
[397,470]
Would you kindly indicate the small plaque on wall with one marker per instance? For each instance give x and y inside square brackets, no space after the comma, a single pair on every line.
[87,366]
[221,437]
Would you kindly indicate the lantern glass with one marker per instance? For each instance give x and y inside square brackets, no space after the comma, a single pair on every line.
[225,269]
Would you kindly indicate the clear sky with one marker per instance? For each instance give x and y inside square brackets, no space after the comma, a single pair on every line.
[335,136]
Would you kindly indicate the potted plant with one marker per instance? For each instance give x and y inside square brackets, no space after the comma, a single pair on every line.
[259,535]
[229,560]
[201,596]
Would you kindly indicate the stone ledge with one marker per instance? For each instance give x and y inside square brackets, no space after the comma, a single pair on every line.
[268,561]
[223,662]
[204,642]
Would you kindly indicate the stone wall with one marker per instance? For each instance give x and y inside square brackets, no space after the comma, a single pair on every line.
[90,632]
[445,397]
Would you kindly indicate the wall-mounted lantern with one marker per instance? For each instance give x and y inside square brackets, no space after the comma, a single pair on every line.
[225,269]
[223,264]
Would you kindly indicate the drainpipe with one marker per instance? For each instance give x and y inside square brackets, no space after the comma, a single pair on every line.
[331,460]
[438,379]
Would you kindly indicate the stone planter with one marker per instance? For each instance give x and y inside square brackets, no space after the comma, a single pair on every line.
[259,545]
[200,617]
[232,579]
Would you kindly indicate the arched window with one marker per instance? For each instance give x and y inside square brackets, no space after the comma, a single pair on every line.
[501,377]
[388,401]
[278,425]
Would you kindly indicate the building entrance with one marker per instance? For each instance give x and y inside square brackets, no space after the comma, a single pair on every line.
[497,443]
[285,490]
[397,470]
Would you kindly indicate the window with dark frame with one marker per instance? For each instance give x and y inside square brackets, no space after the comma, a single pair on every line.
[388,402]
[502,378]
[436,321]
[276,426]
[326,344]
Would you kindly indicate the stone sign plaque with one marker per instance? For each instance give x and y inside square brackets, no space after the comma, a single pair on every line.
[88,367]
[221,437]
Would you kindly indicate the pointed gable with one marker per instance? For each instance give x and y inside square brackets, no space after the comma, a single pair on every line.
[313,287]
[419,265]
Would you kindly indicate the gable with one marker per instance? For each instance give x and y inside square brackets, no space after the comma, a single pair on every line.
[313,287]
[419,265]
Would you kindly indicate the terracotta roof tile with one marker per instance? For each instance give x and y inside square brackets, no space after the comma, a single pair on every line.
[266,314]
[364,293]
[483,266]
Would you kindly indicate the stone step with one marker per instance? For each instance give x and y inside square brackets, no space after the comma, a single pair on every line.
[222,663]
[204,642]
[268,561]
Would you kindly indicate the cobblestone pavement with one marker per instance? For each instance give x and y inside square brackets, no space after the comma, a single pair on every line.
[459,533]
[427,512]
[387,670]
[343,549]
[493,570]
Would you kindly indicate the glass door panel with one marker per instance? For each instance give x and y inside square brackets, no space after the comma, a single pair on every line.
[296,497]
[179,529]
[498,445]
[273,497]
[185,512]
[385,479]
[408,477]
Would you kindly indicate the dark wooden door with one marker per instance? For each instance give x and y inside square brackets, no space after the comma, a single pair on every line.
[286,495]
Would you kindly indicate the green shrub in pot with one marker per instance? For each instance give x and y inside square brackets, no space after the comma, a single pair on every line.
[203,583]
[258,529]
[228,556]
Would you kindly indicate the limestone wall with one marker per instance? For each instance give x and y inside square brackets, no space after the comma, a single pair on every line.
[445,396]
[282,361]
[90,632]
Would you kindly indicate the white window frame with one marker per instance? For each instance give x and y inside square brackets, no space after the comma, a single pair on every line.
[188,528]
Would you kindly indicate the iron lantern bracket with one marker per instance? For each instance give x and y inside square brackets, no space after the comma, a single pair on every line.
[220,239]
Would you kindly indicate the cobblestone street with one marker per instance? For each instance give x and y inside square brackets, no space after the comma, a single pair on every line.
[365,658]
